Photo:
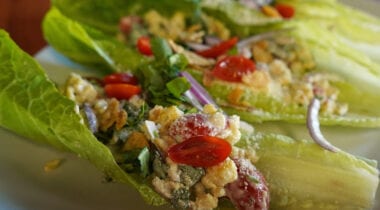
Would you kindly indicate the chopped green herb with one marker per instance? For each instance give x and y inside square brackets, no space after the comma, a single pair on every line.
[178,86]
[160,48]
[178,61]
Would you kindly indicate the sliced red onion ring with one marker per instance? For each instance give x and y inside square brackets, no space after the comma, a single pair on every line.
[314,128]
[198,91]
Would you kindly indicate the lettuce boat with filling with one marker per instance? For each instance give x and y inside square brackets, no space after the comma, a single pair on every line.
[120,147]
[301,60]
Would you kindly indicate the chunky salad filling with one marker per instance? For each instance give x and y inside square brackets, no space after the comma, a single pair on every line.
[270,66]
[188,155]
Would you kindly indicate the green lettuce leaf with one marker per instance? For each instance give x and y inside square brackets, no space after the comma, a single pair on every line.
[298,171]
[234,15]
[32,106]
[88,45]
[360,75]
[266,108]
[105,15]
[356,28]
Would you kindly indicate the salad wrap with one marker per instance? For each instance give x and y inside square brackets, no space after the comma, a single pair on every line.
[328,54]
[307,64]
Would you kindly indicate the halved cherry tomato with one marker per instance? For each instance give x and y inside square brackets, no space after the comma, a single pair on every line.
[120,78]
[286,11]
[250,190]
[121,91]
[232,68]
[200,151]
[191,125]
[143,45]
[218,49]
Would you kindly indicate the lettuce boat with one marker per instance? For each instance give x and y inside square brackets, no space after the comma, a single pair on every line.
[82,36]
[330,52]
[37,110]
[352,26]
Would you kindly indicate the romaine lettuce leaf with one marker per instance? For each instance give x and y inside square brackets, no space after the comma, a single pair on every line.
[105,15]
[356,28]
[360,74]
[234,15]
[87,45]
[32,106]
[267,108]
[303,175]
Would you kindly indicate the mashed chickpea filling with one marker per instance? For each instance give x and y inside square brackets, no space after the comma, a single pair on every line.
[285,69]
[131,130]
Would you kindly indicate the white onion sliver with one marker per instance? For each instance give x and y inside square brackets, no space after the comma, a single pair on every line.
[198,91]
[197,46]
[314,128]
[151,129]
[193,100]
[212,40]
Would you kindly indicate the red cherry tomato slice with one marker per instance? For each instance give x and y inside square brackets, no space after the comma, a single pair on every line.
[120,78]
[250,190]
[143,45]
[286,11]
[232,68]
[191,125]
[218,49]
[121,91]
[200,151]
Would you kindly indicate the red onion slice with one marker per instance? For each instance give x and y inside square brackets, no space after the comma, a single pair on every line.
[314,128]
[198,91]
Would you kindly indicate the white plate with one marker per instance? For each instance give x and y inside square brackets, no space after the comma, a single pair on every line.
[78,185]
